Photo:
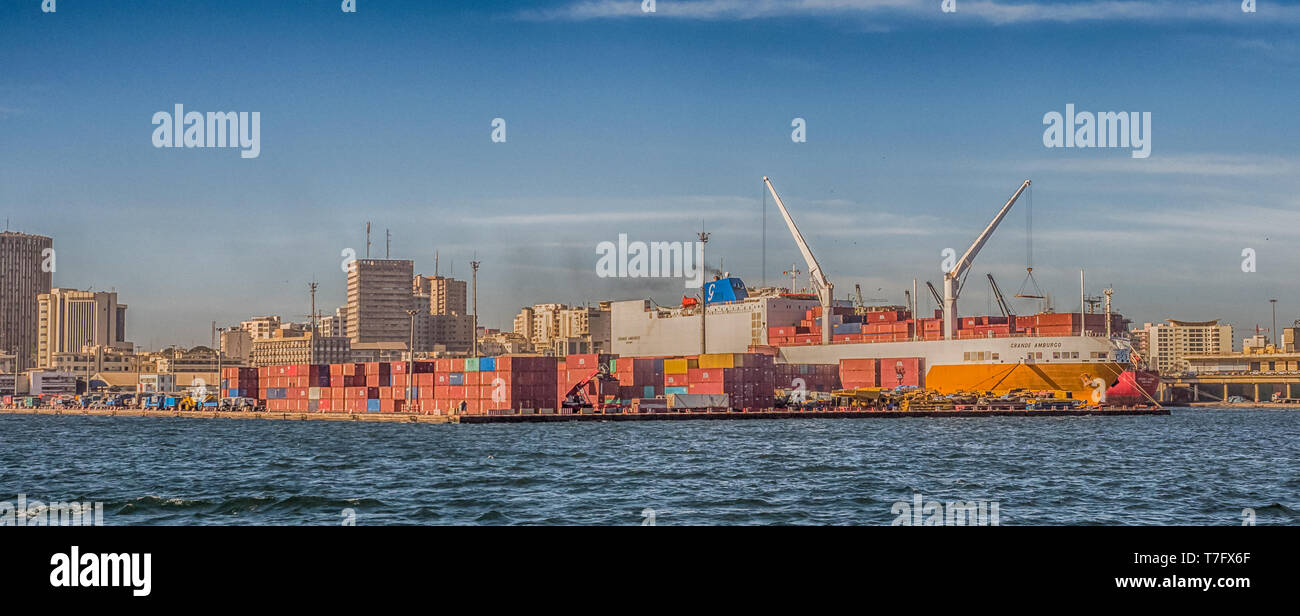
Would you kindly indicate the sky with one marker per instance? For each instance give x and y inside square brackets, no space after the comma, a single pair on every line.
[919,125]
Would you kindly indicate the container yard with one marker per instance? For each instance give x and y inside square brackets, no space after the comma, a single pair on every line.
[538,388]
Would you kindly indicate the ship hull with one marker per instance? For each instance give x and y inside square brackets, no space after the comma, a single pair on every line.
[1067,363]
[1000,379]
[1134,387]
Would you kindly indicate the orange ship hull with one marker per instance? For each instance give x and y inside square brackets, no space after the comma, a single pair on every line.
[1001,378]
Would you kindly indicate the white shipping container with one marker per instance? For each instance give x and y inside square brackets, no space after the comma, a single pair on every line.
[699,401]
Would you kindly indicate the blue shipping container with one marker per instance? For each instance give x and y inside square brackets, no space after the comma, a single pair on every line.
[456,378]
[487,364]
[677,390]
[372,406]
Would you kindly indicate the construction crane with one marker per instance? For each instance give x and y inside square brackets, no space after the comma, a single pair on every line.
[938,301]
[860,305]
[952,279]
[1002,302]
[821,286]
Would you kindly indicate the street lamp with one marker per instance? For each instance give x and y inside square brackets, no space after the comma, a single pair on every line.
[704,298]
[1275,338]
[474,327]
[220,385]
[410,361]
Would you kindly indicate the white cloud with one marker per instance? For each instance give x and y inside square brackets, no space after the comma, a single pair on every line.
[990,11]
[586,211]
[1194,164]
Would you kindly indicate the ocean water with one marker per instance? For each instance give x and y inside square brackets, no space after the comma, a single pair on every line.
[1195,466]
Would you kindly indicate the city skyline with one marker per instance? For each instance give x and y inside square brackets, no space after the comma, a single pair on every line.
[654,126]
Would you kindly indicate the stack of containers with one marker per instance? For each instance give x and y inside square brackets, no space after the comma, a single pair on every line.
[342,378]
[811,377]
[511,383]
[748,378]
[240,382]
[639,377]
[448,385]
[676,373]
[856,373]
[422,380]
[490,384]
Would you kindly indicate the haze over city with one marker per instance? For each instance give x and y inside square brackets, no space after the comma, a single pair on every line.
[920,124]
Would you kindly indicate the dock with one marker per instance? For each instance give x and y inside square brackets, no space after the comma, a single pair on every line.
[826,414]
[840,413]
[268,415]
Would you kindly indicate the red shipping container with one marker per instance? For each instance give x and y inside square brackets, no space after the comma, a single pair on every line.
[707,388]
[896,371]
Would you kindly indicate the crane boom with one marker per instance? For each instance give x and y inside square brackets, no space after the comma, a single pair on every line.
[821,285]
[938,300]
[1002,303]
[963,264]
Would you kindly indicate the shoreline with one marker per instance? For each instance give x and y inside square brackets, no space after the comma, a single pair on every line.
[548,418]
[1237,405]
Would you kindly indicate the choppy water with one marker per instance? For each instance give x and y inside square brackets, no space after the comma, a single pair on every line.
[1193,467]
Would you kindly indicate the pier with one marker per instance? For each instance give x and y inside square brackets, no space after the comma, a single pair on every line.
[838,413]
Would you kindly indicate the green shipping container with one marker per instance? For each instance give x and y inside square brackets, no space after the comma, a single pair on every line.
[471,364]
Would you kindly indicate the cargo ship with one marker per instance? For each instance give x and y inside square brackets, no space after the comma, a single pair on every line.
[993,354]
[1082,354]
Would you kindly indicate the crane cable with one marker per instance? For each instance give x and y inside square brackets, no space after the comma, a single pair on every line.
[1029,252]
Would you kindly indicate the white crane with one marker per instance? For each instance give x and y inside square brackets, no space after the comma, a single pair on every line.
[821,285]
[953,276]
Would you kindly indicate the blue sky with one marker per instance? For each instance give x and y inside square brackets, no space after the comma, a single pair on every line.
[919,125]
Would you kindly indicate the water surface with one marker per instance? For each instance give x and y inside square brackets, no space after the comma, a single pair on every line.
[1195,466]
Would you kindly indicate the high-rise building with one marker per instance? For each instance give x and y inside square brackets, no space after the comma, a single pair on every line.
[336,325]
[379,294]
[524,324]
[546,323]
[299,347]
[558,329]
[1169,344]
[26,271]
[261,328]
[237,343]
[69,320]
[446,295]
